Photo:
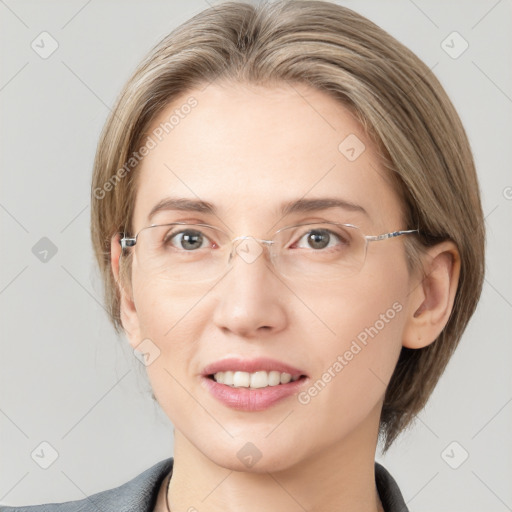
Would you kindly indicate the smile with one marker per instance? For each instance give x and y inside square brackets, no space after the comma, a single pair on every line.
[255,380]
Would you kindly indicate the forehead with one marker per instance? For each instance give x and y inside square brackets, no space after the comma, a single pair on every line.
[248,149]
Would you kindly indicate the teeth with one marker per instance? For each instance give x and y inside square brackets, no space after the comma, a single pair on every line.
[255,380]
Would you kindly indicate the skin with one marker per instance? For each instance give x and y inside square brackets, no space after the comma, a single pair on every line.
[247,149]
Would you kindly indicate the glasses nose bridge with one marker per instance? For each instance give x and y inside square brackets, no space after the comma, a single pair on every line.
[266,243]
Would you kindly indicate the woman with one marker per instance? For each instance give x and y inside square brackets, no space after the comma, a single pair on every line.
[287,218]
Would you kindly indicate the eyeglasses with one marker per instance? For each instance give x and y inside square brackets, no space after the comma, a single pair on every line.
[184,252]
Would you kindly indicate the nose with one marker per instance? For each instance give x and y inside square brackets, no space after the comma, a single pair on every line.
[251,297]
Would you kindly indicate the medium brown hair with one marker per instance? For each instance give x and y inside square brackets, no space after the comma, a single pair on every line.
[395,96]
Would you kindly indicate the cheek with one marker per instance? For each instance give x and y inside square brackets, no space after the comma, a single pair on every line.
[362,324]
[162,307]
[171,321]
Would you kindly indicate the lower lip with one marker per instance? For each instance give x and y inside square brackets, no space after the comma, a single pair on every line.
[247,399]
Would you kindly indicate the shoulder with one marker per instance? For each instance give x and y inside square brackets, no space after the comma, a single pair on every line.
[389,492]
[136,495]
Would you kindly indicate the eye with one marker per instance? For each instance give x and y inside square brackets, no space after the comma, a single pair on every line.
[321,238]
[188,239]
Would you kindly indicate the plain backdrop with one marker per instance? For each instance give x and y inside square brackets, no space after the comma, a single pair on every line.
[67,380]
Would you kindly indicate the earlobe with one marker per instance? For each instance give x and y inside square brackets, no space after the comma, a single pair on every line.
[431,300]
[128,312]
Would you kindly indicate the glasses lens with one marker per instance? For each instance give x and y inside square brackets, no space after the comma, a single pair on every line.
[182,252]
[322,252]
[197,252]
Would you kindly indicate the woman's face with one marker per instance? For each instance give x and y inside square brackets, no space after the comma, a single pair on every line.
[248,150]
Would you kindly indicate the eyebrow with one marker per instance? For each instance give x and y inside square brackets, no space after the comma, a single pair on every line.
[296,206]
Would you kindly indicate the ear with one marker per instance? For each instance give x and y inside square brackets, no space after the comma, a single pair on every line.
[431,300]
[129,317]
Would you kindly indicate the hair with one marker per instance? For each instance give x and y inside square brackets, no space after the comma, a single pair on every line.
[398,101]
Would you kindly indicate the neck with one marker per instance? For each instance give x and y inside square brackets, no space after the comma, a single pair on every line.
[340,477]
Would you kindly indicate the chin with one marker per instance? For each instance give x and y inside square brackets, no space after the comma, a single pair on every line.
[249,457]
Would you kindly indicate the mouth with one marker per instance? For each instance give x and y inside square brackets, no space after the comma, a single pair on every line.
[252,385]
[252,373]
[255,380]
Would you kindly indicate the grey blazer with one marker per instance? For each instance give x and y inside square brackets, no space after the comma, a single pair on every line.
[140,493]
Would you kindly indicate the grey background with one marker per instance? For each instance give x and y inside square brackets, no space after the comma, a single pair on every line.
[65,377]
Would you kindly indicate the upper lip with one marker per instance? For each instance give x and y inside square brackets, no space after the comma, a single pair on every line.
[250,366]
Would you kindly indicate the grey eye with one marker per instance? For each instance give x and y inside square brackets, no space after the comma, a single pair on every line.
[189,240]
[321,238]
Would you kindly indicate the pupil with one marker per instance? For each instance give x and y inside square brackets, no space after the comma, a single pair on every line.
[316,238]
